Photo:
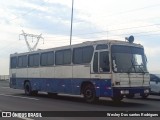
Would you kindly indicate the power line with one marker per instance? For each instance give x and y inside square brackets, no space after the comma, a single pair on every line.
[109,15]
[124,22]
[112,30]
[133,10]
[78,40]
[100,31]
[32,10]
[123,12]
[28,12]
[64,40]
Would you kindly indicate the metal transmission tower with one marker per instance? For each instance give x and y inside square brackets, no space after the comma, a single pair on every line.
[31,35]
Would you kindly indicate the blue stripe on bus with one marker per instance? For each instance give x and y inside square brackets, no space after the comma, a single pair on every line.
[68,86]
[73,86]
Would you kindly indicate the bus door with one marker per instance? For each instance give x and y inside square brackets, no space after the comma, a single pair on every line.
[101,72]
[101,62]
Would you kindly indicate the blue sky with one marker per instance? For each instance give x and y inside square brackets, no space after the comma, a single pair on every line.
[93,20]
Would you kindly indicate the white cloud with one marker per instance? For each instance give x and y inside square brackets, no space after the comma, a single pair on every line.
[103,16]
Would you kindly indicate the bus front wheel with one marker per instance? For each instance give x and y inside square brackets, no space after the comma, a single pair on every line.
[89,93]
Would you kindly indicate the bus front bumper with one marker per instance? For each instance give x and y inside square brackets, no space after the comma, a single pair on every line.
[127,90]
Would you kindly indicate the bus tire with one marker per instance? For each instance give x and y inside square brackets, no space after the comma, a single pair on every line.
[130,96]
[89,93]
[27,89]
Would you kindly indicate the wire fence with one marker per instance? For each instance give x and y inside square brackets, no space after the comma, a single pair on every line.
[4,77]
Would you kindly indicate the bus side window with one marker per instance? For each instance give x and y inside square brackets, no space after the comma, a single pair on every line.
[13,62]
[104,62]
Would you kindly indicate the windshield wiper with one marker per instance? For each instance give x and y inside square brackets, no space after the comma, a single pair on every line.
[139,66]
[132,66]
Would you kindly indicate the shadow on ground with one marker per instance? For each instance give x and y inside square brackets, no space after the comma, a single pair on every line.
[102,102]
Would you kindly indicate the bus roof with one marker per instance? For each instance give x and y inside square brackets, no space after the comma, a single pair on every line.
[87,43]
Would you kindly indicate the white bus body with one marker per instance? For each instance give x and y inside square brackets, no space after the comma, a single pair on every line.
[105,68]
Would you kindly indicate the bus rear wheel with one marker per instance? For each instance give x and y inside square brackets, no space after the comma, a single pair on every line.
[89,93]
[28,90]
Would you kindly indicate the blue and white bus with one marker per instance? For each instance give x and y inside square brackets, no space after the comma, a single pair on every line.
[104,68]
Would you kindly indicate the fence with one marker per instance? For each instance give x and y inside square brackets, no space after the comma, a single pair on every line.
[4,77]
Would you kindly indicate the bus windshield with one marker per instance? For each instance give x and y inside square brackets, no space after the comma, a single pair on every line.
[128,59]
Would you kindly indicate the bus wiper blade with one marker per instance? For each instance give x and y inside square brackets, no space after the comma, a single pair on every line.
[132,66]
[139,66]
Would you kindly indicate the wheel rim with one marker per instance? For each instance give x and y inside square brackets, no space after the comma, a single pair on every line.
[88,94]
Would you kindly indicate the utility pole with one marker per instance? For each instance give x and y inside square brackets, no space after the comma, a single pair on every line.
[33,36]
[71,23]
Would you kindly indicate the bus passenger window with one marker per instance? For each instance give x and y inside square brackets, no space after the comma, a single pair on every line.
[13,62]
[104,62]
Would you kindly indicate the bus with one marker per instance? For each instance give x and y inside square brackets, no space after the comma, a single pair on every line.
[94,69]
